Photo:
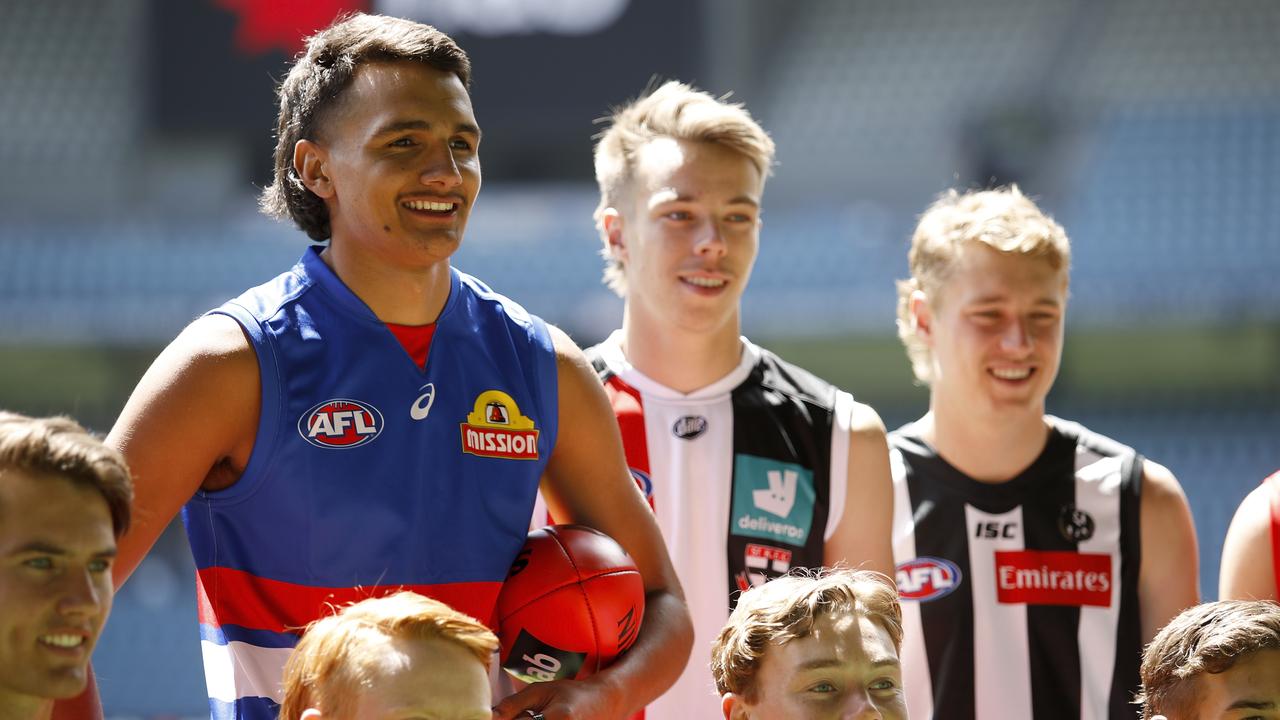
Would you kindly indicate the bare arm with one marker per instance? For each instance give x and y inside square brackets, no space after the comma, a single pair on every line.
[863,538]
[1248,571]
[1169,580]
[190,421]
[587,482]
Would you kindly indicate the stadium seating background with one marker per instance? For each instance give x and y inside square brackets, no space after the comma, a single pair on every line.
[134,134]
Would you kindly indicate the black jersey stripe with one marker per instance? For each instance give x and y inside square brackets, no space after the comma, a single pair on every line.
[1125,680]
[785,414]
[947,622]
[1053,630]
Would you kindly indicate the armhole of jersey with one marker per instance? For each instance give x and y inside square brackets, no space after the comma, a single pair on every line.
[838,474]
[1273,487]
[1131,505]
[269,416]
[547,378]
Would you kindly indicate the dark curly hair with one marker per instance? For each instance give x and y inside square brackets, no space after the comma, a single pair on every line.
[315,85]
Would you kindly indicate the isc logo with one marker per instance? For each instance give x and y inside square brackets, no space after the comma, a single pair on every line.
[927,578]
[340,424]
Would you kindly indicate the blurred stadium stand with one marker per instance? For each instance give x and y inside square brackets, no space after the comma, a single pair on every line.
[1150,128]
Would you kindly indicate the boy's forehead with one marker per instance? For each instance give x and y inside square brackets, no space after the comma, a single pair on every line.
[381,91]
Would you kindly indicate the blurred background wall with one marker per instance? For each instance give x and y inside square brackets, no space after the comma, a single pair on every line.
[135,135]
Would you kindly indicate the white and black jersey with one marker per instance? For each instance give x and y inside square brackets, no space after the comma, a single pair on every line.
[740,476]
[1020,599]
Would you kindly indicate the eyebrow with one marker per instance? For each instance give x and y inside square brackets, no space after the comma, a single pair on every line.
[1252,705]
[402,125]
[989,299]
[44,548]
[739,200]
[822,663]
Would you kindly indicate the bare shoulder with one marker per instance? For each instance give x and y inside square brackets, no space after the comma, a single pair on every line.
[1161,491]
[865,422]
[211,364]
[1253,517]
[573,367]
[1247,571]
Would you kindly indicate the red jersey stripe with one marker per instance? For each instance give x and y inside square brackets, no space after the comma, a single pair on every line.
[233,597]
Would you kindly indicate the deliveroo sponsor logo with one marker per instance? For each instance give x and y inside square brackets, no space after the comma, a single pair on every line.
[772,500]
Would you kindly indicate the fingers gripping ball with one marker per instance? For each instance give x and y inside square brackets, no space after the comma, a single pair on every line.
[571,604]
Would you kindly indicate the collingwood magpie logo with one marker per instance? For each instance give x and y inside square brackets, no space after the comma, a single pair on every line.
[1075,524]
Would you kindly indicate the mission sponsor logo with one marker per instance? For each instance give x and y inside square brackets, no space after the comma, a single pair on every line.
[927,578]
[495,428]
[340,424]
[1045,577]
[772,500]
[763,563]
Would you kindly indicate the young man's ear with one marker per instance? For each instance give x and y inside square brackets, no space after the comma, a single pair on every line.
[921,314]
[611,229]
[733,707]
[309,161]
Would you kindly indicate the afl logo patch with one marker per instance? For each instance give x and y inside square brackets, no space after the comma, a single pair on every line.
[689,427]
[927,578]
[340,424]
[1075,524]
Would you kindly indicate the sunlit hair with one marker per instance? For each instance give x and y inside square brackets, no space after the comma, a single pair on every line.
[316,84]
[340,654]
[60,447]
[1208,638]
[785,609]
[680,112]
[1003,219]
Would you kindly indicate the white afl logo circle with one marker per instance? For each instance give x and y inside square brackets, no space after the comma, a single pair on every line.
[422,406]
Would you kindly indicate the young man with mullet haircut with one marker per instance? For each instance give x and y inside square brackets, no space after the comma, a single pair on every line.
[752,465]
[1034,556]
[64,500]
[1216,661]
[373,419]
[813,647]
[389,658]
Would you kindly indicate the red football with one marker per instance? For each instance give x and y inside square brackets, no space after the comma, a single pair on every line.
[572,602]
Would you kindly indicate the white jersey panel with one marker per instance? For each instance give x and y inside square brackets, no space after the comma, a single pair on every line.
[692,506]
[1001,685]
[1098,495]
[915,660]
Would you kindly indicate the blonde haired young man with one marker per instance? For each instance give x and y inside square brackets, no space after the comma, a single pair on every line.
[64,500]
[812,647]
[1216,660]
[752,465]
[391,657]
[1034,556]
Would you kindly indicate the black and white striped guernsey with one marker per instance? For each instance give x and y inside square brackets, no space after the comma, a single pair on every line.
[1020,599]
[747,479]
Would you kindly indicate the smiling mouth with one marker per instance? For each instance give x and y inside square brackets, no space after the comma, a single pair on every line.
[431,206]
[63,641]
[706,282]
[1012,373]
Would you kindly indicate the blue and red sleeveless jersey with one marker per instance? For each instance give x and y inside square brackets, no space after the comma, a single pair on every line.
[369,474]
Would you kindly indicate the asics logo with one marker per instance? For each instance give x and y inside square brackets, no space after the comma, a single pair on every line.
[422,406]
